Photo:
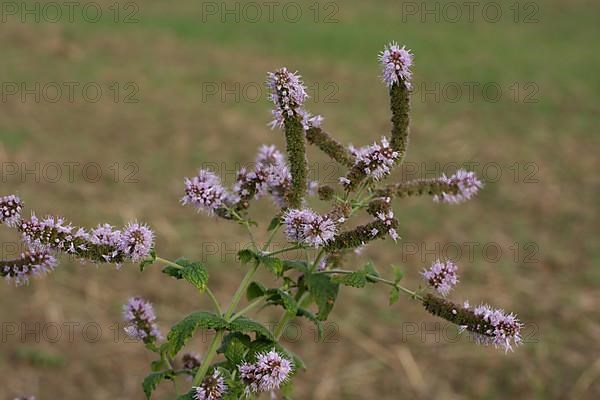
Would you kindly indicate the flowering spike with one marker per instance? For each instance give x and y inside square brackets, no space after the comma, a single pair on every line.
[136,241]
[30,263]
[485,324]
[396,62]
[441,276]
[139,314]
[267,374]
[212,388]
[463,185]
[374,161]
[10,210]
[308,227]
[288,94]
[205,192]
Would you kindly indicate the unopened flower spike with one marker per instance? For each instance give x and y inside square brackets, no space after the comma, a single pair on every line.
[212,388]
[460,187]
[10,210]
[30,263]
[330,146]
[139,315]
[488,326]
[396,62]
[288,95]
[441,276]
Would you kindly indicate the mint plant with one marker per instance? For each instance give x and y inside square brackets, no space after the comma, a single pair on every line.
[245,358]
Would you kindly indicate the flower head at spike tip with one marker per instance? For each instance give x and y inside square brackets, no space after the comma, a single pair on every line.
[141,320]
[441,276]
[30,263]
[307,227]
[10,210]
[464,184]
[136,241]
[205,192]
[499,329]
[376,160]
[267,374]
[212,388]
[396,62]
[287,94]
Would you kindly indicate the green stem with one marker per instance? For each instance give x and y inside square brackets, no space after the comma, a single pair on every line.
[287,317]
[271,237]
[241,289]
[247,309]
[208,291]
[378,279]
[283,250]
[210,355]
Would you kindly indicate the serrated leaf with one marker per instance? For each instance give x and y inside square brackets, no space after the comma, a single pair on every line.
[370,270]
[324,291]
[242,337]
[356,279]
[283,298]
[246,325]
[149,260]
[157,365]
[275,222]
[255,290]
[196,274]
[273,264]
[247,255]
[152,381]
[176,273]
[394,295]
[398,274]
[182,331]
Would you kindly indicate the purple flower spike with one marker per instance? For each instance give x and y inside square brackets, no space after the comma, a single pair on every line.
[136,241]
[139,314]
[308,227]
[287,94]
[267,374]
[205,191]
[30,263]
[212,388]
[501,329]
[441,276]
[375,160]
[10,210]
[464,182]
[396,62]
[105,235]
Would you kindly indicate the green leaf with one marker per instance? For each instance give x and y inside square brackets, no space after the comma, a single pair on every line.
[187,396]
[182,331]
[324,291]
[255,290]
[302,312]
[152,381]
[370,269]
[394,295]
[245,339]
[247,255]
[281,297]
[275,222]
[149,260]
[295,264]
[196,274]
[235,351]
[273,264]
[176,273]
[356,279]
[246,325]
[398,274]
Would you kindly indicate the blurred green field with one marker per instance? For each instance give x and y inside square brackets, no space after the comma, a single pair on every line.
[545,199]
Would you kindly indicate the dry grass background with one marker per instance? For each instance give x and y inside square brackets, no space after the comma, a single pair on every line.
[373,351]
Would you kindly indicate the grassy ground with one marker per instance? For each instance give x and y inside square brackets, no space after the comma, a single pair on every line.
[541,211]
